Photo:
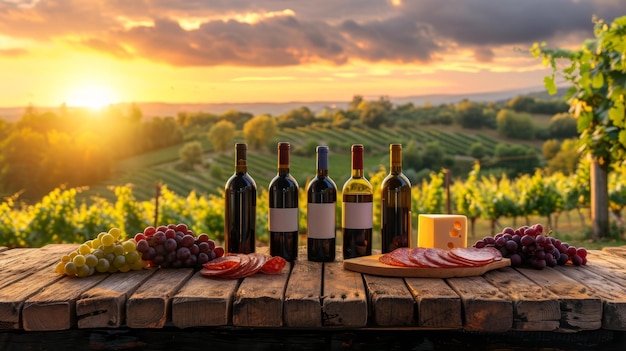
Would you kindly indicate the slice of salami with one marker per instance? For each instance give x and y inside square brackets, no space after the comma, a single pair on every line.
[436,257]
[476,256]
[401,255]
[236,273]
[274,265]
[389,260]
[257,261]
[445,254]
[417,257]
[222,263]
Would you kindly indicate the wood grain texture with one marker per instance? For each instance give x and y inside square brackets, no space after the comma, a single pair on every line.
[149,306]
[390,301]
[485,307]
[438,306]
[534,307]
[104,305]
[259,300]
[203,302]
[344,302]
[54,308]
[580,309]
[303,295]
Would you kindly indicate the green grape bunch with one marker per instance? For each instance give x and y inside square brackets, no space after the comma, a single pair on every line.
[107,253]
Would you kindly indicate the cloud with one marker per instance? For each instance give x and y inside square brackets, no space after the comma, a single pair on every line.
[268,33]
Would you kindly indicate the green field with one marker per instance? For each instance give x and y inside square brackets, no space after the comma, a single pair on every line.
[145,171]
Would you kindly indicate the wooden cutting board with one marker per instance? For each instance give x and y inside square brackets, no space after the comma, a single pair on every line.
[371,265]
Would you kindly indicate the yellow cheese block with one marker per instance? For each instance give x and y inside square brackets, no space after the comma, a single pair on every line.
[442,231]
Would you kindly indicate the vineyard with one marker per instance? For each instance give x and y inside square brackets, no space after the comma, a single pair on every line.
[144,172]
[62,217]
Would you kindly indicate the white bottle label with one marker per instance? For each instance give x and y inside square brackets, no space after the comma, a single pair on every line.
[357,215]
[321,221]
[283,220]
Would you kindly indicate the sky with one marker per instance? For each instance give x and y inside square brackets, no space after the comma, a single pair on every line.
[96,52]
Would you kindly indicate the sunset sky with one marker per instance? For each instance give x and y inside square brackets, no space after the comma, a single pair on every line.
[90,52]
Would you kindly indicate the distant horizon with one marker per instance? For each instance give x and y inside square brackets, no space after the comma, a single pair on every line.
[488,96]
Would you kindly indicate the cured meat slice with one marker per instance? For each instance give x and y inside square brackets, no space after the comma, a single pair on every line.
[235,273]
[398,257]
[257,261]
[439,258]
[221,265]
[274,265]
[476,256]
[445,254]
[417,256]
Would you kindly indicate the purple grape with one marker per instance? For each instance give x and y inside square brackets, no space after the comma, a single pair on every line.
[511,246]
[143,246]
[563,258]
[516,260]
[479,244]
[183,253]
[188,240]
[170,244]
[527,240]
[500,242]
[540,255]
[508,230]
[576,260]
[159,238]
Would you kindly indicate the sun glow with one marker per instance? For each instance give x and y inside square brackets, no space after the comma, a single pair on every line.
[91,96]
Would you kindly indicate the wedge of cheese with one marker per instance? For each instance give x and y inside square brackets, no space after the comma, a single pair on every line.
[442,231]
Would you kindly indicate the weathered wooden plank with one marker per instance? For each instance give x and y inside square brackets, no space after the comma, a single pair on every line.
[344,300]
[12,297]
[485,307]
[438,306]
[203,302]
[104,305]
[3,248]
[149,305]
[303,295]
[259,300]
[54,308]
[391,304]
[612,294]
[16,264]
[616,250]
[534,307]
[580,310]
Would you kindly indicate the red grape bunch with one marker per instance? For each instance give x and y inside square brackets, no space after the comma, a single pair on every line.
[174,245]
[527,245]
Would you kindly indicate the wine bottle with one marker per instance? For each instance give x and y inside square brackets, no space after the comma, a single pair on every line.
[357,210]
[283,209]
[395,225]
[240,207]
[321,208]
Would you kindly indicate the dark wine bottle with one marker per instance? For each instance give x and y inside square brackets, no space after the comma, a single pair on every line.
[395,224]
[240,206]
[321,209]
[357,210]
[283,209]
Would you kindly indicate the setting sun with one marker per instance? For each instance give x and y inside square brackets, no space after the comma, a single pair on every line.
[91,96]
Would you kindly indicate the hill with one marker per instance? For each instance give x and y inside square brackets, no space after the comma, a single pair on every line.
[163,109]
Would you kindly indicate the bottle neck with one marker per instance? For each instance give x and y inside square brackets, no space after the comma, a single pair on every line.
[241,160]
[322,162]
[395,159]
[283,158]
[357,162]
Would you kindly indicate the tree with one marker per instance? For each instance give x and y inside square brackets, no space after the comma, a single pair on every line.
[515,125]
[550,148]
[597,72]
[562,125]
[191,154]
[375,113]
[221,135]
[259,130]
[477,150]
[470,114]
[566,159]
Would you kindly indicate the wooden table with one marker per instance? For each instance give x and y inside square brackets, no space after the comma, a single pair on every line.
[314,297]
